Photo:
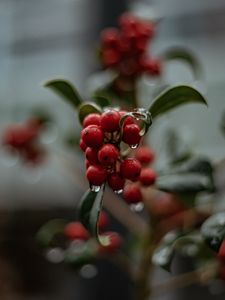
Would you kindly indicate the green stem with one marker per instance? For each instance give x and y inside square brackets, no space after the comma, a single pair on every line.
[145,270]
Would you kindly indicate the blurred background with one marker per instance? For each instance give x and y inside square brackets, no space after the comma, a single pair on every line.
[45,39]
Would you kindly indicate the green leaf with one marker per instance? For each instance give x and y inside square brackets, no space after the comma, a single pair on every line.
[103,98]
[90,208]
[213,230]
[190,177]
[88,108]
[66,90]
[174,97]
[186,56]
[186,183]
[164,253]
[49,230]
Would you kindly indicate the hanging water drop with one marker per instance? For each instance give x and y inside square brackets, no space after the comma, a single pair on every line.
[137,207]
[95,188]
[118,191]
[134,146]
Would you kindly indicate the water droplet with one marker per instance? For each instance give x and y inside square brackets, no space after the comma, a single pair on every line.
[95,188]
[134,146]
[55,255]
[118,191]
[137,207]
[88,271]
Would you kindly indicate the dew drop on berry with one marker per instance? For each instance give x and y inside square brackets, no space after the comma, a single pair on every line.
[134,146]
[95,188]
[118,191]
[137,207]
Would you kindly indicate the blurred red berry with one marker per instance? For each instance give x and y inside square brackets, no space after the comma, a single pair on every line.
[147,177]
[110,37]
[115,242]
[83,146]
[130,168]
[132,193]
[145,155]
[76,231]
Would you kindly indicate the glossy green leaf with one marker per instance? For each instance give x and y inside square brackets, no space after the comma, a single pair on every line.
[164,253]
[88,108]
[66,90]
[192,176]
[174,97]
[49,230]
[90,208]
[103,98]
[213,230]
[186,56]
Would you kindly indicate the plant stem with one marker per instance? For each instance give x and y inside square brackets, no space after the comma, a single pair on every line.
[145,269]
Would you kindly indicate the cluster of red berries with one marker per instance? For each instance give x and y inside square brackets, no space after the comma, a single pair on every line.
[75,231]
[124,50]
[101,138]
[22,138]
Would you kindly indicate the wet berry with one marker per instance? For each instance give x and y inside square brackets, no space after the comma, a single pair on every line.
[130,169]
[110,121]
[108,154]
[96,175]
[131,134]
[92,136]
[92,119]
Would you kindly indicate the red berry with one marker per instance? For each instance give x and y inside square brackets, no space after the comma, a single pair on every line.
[110,120]
[87,164]
[115,242]
[129,67]
[76,231]
[130,169]
[128,21]
[128,120]
[132,193]
[147,177]
[221,253]
[110,37]
[108,154]
[92,136]
[145,29]
[145,155]
[131,134]
[92,119]
[153,67]
[92,155]
[116,182]
[83,146]
[103,220]
[110,57]
[96,175]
